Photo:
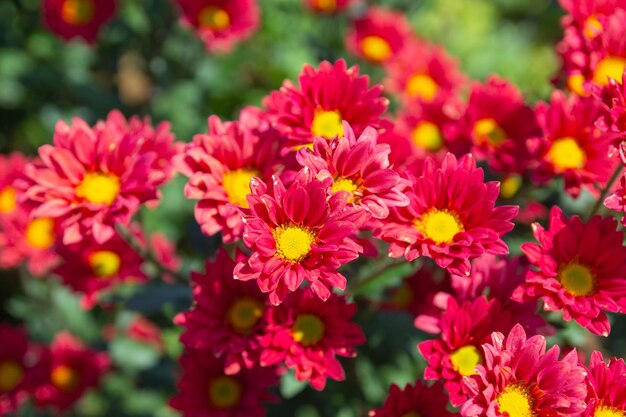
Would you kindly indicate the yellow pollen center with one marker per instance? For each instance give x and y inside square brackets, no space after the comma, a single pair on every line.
[11,374]
[237,185]
[214,18]
[575,83]
[592,28]
[516,401]
[427,135]
[293,243]
[465,359]
[326,5]
[487,131]
[8,200]
[440,225]
[104,263]
[402,296]
[327,123]
[224,392]
[98,188]
[565,153]
[244,314]
[40,233]
[344,184]
[375,48]
[609,67]
[604,411]
[78,12]
[308,330]
[421,86]
[510,185]
[577,279]
[65,378]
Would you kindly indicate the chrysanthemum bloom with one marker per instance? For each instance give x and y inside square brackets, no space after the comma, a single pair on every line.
[321,100]
[379,35]
[328,6]
[572,146]
[77,18]
[72,369]
[606,387]
[580,268]
[464,328]
[11,168]
[589,15]
[146,332]
[227,316]
[307,334]
[451,217]
[221,24]
[415,400]
[298,234]
[204,390]
[518,378]
[220,165]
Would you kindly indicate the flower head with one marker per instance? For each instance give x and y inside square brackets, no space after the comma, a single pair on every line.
[415,400]
[11,168]
[606,387]
[328,6]
[77,18]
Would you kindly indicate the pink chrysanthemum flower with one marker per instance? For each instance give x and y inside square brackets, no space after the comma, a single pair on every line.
[298,234]
[606,387]
[328,6]
[227,316]
[77,18]
[11,168]
[307,334]
[72,368]
[580,268]
[204,390]
[221,24]
[415,400]
[322,99]
[518,378]
[219,165]
[464,328]
[451,217]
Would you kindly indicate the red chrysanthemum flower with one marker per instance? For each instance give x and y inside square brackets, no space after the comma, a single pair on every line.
[379,35]
[220,165]
[321,100]
[328,6]
[77,18]
[298,234]
[11,168]
[464,328]
[580,268]
[146,332]
[307,334]
[451,217]
[72,368]
[204,390]
[221,24]
[519,378]
[227,317]
[606,387]
[415,400]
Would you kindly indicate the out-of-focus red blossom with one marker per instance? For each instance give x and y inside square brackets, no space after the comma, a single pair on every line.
[415,400]
[204,390]
[579,268]
[71,369]
[77,18]
[323,98]
[144,331]
[606,387]
[464,328]
[221,24]
[165,253]
[531,212]
[328,6]
[298,234]
[307,334]
[227,317]
[11,168]
[379,35]
[519,377]
[451,217]
[219,165]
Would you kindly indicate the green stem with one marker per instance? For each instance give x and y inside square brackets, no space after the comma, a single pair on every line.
[605,191]
[374,274]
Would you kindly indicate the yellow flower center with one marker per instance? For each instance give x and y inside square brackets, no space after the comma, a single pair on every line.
[11,374]
[592,28]
[224,392]
[487,131]
[440,225]
[402,296]
[308,330]
[421,86]
[8,200]
[99,188]
[244,314]
[577,279]
[327,123]
[465,359]
[510,186]
[78,12]
[293,243]
[326,5]
[516,401]
[214,18]
[104,263]
[609,67]
[375,48]
[40,233]
[237,185]
[565,153]
[65,378]
[575,84]
[604,411]
[344,184]
[427,135]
